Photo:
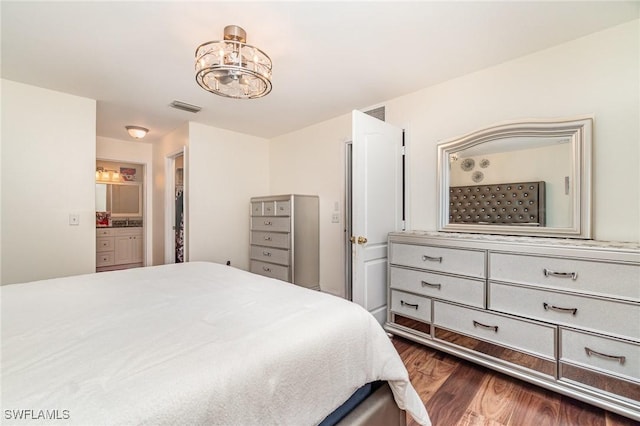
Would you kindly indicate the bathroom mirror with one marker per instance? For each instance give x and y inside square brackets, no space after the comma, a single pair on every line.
[122,200]
[528,177]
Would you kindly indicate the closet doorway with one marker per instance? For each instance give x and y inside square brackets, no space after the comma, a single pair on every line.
[176,209]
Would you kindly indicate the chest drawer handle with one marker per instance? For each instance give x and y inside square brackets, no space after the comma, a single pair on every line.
[433,259]
[548,307]
[266,253]
[572,275]
[426,284]
[267,222]
[264,268]
[621,359]
[488,327]
[267,238]
[411,305]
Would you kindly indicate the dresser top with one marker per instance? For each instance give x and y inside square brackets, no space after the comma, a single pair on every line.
[478,239]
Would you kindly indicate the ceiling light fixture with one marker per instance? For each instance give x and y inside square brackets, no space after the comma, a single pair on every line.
[232,68]
[137,132]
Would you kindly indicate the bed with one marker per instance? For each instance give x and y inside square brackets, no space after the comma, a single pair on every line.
[194,343]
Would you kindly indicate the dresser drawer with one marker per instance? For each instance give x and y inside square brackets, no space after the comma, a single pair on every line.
[104,232]
[605,316]
[269,208]
[280,224]
[411,305]
[270,239]
[455,289]
[270,270]
[611,356]
[283,208]
[104,244]
[105,259]
[534,338]
[271,255]
[584,276]
[256,208]
[439,259]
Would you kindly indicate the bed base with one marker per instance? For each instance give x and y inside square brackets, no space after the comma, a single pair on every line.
[379,409]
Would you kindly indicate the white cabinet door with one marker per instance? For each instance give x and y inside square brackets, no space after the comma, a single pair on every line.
[377,207]
[123,249]
[136,249]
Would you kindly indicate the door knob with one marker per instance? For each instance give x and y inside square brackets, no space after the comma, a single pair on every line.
[362,240]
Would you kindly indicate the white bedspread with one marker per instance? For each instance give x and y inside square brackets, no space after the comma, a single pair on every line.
[187,344]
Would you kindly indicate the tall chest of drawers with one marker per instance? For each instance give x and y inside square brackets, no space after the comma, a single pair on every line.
[285,238]
[562,314]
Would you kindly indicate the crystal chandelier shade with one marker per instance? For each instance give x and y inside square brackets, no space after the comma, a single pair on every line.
[232,68]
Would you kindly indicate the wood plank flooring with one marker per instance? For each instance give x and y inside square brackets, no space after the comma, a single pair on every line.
[459,393]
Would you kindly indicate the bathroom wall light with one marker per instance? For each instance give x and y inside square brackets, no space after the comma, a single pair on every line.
[137,132]
[107,175]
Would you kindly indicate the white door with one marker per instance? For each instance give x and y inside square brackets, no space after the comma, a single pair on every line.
[376,197]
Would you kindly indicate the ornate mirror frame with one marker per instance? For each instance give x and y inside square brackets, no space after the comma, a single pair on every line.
[576,131]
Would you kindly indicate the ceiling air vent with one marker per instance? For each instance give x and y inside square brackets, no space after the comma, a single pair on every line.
[377,113]
[185,106]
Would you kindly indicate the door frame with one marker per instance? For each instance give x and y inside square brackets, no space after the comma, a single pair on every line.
[169,206]
[146,204]
[348,220]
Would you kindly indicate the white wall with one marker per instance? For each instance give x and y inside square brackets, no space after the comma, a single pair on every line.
[224,169]
[311,161]
[597,74]
[48,172]
[134,152]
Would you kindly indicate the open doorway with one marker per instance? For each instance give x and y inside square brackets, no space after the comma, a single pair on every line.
[175,209]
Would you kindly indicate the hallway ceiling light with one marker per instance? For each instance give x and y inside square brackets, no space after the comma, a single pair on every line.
[137,132]
[232,68]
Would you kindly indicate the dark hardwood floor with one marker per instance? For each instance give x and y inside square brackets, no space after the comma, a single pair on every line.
[457,392]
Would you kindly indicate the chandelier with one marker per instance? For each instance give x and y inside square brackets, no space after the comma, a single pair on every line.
[232,68]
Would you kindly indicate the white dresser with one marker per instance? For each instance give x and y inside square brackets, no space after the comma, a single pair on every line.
[285,238]
[563,314]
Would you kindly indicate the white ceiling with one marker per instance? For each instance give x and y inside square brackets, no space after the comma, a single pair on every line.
[135,58]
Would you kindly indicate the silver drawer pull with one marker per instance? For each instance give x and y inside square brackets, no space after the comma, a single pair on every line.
[433,259]
[267,238]
[411,305]
[621,359]
[548,307]
[572,275]
[488,327]
[266,269]
[266,253]
[267,222]
[426,284]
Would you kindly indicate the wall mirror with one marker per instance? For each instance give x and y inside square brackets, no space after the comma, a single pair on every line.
[122,200]
[528,177]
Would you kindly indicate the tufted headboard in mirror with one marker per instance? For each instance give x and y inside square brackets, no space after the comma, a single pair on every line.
[520,203]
